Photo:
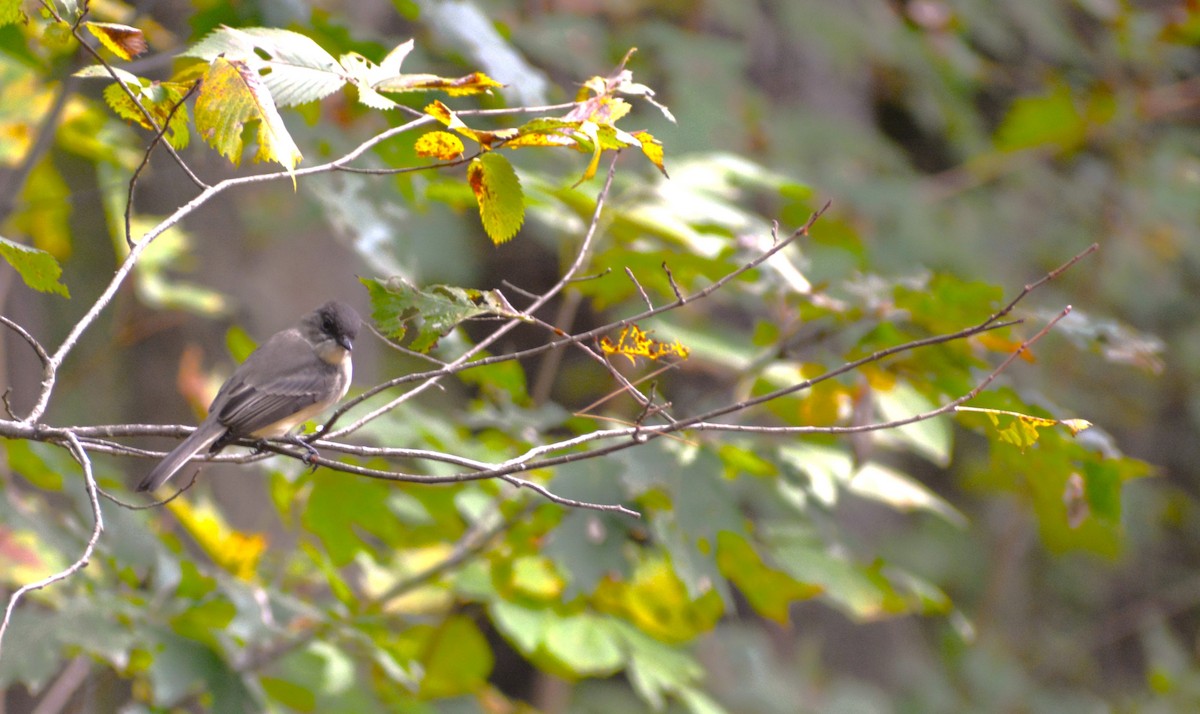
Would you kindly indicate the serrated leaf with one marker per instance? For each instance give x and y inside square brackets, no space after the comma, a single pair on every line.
[396,304]
[498,191]
[122,40]
[439,145]
[37,268]
[293,67]
[231,96]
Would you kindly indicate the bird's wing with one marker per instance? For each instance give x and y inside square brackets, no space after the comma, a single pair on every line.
[280,379]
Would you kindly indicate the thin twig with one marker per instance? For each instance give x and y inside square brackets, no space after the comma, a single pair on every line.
[146,161]
[569,502]
[491,339]
[640,289]
[77,451]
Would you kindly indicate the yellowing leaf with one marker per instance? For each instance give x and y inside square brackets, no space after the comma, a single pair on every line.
[293,67]
[1023,430]
[485,138]
[635,342]
[238,553]
[996,343]
[770,592]
[652,149]
[24,557]
[124,41]
[1076,425]
[397,305]
[161,101]
[474,83]
[232,96]
[10,12]
[498,191]
[440,145]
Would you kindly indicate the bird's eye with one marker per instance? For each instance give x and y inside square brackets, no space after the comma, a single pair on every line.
[327,324]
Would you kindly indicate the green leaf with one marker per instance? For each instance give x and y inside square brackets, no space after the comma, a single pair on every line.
[930,438]
[498,191]
[291,695]
[1056,118]
[339,507]
[525,627]
[37,268]
[233,95]
[457,659]
[587,644]
[395,303]
[589,546]
[25,460]
[655,669]
[770,592]
[901,491]
[294,69]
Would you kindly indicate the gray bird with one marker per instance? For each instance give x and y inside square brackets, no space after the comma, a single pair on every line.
[295,375]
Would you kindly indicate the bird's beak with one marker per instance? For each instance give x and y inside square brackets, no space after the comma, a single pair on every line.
[346,343]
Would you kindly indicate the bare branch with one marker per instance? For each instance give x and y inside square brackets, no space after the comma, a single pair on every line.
[146,160]
[433,378]
[77,451]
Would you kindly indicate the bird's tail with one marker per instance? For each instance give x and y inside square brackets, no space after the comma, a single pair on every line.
[199,440]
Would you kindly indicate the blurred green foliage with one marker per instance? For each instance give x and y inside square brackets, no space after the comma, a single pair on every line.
[967,149]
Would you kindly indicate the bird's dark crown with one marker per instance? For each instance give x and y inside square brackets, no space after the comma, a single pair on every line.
[337,320]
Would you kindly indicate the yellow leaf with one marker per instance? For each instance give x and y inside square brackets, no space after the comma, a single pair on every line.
[485,138]
[1076,425]
[124,41]
[474,83]
[635,342]
[237,553]
[232,96]
[1024,429]
[652,149]
[440,145]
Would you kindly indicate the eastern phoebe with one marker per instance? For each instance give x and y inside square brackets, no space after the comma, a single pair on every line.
[295,375]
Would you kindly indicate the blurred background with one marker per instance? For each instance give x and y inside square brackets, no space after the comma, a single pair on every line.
[987,141]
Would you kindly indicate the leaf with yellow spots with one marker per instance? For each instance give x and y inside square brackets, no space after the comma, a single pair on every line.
[635,342]
[439,145]
[233,96]
[1022,430]
[236,552]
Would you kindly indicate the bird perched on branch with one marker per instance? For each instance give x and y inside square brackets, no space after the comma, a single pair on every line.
[295,375]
